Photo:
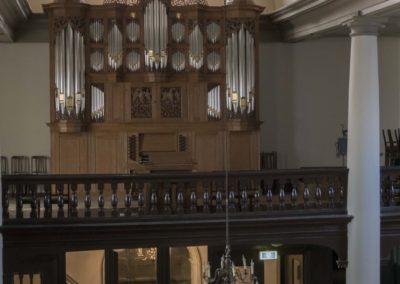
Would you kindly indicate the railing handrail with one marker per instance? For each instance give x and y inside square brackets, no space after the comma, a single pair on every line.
[157,177]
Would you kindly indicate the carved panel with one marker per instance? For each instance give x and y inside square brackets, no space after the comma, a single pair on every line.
[61,23]
[141,103]
[188,2]
[171,102]
[234,25]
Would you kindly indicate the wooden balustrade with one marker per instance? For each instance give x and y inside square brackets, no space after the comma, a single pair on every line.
[390,187]
[72,197]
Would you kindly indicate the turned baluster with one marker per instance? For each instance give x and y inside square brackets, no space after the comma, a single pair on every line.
[256,201]
[282,198]
[244,201]
[331,196]
[100,199]
[206,199]
[269,197]
[392,195]
[74,201]
[114,198]
[318,196]
[153,201]
[88,199]
[180,201]
[33,201]
[20,201]
[60,199]
[306,196]
[231,200]
[47,201]
[294,196]
[6,202]
[167,202]
[128,198]
[218,202]
[341,196]
[193,200]
[141,200]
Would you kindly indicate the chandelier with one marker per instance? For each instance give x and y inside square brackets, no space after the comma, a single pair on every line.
[146,254]
[228,273]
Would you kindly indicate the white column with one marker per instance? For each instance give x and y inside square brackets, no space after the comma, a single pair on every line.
[363,154]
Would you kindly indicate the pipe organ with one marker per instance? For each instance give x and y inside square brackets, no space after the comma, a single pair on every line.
[177,77]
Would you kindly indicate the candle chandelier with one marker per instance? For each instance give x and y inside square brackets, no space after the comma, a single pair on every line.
[146,254]
[228,273]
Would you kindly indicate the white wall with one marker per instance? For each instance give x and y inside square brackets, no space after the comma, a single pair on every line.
[304,100]
[389,75]
[24,99]
[305,97]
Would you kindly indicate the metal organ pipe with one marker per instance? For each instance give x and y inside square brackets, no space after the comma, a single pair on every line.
[214,104]
[69,72]
[155,35]
[240,71]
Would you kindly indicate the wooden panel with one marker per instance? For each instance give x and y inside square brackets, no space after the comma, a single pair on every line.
[73,153]
[240,151]
[106,154]
[294,269]
[152,142]
[118,102]
[197,101]
[209,152]
[55,157]
[114,102]
[272,271]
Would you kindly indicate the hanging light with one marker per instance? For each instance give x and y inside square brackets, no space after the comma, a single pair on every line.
[228,273]
[146,254]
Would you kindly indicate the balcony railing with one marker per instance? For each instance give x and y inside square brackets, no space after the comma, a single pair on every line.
[69,198]
[390,188]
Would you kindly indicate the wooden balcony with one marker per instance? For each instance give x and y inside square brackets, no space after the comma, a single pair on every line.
[293,206]
[53,214]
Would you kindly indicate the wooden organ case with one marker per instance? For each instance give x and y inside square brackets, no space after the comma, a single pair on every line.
[153,85]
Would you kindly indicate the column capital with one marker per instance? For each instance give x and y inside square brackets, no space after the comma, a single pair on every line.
[363,25]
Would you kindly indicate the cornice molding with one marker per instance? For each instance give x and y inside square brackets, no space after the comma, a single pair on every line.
[296,8]
[12,13]
[329,17]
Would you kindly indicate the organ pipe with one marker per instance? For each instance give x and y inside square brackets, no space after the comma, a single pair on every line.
[69,70]
[214,103]
[240,71]
[155,35]
[97,106]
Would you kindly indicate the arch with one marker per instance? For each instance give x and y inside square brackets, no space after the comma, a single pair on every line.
[196,266]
